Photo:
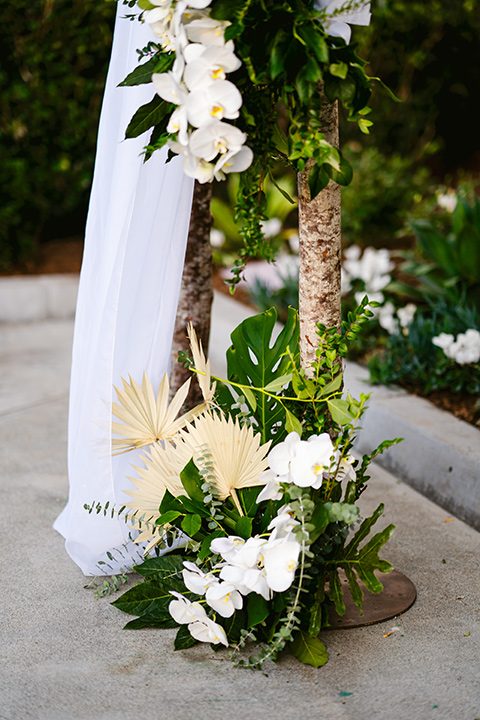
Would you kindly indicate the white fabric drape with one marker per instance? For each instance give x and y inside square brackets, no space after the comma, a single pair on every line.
[129,285]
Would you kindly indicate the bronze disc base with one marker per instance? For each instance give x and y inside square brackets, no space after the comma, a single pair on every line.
[398,595]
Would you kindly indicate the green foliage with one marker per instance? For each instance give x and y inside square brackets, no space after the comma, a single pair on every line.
[55,57]
[411,360]
[452,269]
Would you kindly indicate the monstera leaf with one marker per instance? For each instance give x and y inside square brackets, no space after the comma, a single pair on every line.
[255,360]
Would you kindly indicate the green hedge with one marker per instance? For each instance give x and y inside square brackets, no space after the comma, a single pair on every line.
[52,77]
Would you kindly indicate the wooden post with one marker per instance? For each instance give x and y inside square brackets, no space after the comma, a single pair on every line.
[320,251]
[196,293]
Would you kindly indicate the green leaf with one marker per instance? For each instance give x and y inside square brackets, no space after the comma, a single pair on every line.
[243,527]
[292,423]
[169,502]
[191,524]
[168,517]
[250,398]
[149,598]
[339,69]
[147,116]
[318,179]
[355,589]
[333,386]
[309,650]
[183,639]
[161,568]
[339,410]
[257,609]
[255,360]
[313,36]
[192,482]
[143,73]
[435,245]
[205,546]
[468,252]
[335,592]
[320,520]
[161,620]
[277,384]
[342,176]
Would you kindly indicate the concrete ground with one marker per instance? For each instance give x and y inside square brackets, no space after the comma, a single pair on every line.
[65,655]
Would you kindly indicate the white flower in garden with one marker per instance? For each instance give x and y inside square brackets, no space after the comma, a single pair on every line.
[224,598]
[444,341]
[233,161]
[208,64]
[466,348]
[196,580]
[214,138]
[406,314]
[447,201]
[217,238]
[280,561]
[387,319]
[219,100]
[271,227]
[336,25]
[373,267]
[294,242]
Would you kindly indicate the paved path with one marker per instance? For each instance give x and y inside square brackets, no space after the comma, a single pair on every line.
[65,656]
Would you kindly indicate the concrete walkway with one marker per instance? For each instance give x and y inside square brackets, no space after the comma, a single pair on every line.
[65,655]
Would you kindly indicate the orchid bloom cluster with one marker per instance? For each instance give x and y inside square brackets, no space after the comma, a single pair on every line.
[464,349]
[259,564]
[372,266]
[305,463]
[198,87]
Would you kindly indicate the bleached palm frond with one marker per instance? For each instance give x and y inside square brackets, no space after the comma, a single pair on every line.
[202,366]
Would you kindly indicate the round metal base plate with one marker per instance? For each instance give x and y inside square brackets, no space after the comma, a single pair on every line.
[398,595]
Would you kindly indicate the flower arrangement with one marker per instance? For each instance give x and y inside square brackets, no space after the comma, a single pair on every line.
[246,505]
[216,87]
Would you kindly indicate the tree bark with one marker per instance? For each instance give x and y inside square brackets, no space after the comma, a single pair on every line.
[320,251]
[196,293]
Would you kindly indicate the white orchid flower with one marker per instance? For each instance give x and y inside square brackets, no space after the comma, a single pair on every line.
[224,598]
[227,547]
[178,124]
[183,611]
[197,168]
[219,100]
[216,137]
[208,631]
[167,86]
[247,580]
[302,461]
[280,456]
[338,25]
[280,562]
[282,525]
[196,580]
[208,64]
[272,490]
[233,161]
[207,31]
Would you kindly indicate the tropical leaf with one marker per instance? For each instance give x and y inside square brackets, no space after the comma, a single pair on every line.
[254,359]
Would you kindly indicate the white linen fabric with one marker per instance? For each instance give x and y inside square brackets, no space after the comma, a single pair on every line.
[129,285]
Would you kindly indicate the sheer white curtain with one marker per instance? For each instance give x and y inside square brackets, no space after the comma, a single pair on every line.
[129,285]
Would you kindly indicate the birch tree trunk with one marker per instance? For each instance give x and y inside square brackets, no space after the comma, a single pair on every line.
[196,293]
[320,251]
